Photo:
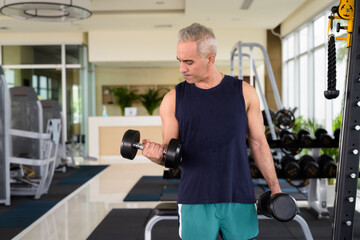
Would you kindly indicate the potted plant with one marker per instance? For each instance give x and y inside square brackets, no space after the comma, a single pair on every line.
[152,99]
[125,97]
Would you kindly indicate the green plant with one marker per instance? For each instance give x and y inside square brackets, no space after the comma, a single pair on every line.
[333,152]
[307,124]
[125,97]
[152,99]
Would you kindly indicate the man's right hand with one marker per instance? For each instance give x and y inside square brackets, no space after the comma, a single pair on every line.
[153,151]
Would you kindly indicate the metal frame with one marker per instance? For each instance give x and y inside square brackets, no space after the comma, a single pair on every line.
[348,164]
[317,192]
[237,51]
[46,161]
[4,97]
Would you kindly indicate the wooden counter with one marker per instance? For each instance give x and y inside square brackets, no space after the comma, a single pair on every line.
[105,133]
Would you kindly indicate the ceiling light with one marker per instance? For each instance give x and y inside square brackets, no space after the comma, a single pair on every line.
[46,10]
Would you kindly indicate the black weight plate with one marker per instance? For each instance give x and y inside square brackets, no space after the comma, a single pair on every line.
[283,207]
[263,204]
[308,166]
[127,149]
[319,132]
[284,119]
[173,154]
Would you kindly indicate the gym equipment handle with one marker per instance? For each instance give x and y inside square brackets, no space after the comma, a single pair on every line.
[140,146]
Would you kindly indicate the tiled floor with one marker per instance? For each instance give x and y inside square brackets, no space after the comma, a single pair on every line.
[78,215]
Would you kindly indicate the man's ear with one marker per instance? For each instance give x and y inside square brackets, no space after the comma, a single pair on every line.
[211,59]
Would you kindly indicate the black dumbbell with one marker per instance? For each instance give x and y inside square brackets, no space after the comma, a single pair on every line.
[304,138]
[337,136]
[323,137]
[287,138]
[327,166]
[288,142]
[290,168]
[130,144]
[281,206]
[268,134]
[309,167]
[272,116]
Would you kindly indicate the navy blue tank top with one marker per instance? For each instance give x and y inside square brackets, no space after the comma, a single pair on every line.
[212,128]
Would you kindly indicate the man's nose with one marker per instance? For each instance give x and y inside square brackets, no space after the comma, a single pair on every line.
[183,68]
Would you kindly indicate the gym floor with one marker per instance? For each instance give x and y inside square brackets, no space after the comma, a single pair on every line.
[82,211]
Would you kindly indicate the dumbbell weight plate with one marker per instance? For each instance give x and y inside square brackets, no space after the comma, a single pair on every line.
[127,149]
[308,166]
[263,206]
[284,119]
[327,166]
[305,138]
[283,207]
[173,154]
[290,167]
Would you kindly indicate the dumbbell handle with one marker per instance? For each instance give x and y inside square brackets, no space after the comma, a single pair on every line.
[140,146]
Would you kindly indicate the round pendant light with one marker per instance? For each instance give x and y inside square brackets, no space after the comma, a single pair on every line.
[47,10]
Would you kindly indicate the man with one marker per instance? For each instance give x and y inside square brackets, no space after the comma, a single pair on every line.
[212,114]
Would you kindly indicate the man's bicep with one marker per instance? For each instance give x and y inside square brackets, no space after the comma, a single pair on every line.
[169,123]
[255,120]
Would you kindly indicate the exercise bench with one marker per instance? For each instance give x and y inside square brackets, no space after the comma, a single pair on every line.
[168,211]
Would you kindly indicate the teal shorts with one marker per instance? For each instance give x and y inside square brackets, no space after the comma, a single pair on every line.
[235,221]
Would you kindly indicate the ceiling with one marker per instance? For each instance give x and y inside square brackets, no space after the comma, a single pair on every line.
[120,15]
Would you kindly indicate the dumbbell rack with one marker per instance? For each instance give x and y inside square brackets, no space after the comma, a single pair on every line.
[317,193]
[317,188]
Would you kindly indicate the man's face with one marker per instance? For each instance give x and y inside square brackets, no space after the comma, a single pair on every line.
[192,65]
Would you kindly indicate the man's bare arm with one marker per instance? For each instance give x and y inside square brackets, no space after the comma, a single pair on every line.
[169,129]
[257,141]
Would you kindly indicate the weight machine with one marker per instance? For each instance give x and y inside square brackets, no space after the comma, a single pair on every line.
[27,154]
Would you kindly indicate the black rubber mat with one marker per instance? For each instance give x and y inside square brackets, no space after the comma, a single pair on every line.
[155,188]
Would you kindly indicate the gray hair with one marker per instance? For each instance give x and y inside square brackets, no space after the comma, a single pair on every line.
[204,37]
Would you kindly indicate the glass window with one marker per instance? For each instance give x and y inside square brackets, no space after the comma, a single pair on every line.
[319,31]
[319,85]
[291,46]
[16,55]
[291,84]
[73,54]
[74,104]
[10,78]
[35,82]
[303,83]
[303,40]
[46,82]
[285,49]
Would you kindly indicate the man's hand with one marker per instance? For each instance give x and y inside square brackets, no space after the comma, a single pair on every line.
[153,151]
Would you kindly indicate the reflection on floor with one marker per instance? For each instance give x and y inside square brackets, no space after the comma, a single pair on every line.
[79,214]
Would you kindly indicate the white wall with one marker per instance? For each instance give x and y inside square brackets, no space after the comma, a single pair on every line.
[41,37]
[307,11]
[159,46]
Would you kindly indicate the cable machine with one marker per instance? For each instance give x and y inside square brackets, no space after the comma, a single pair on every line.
[349,146]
